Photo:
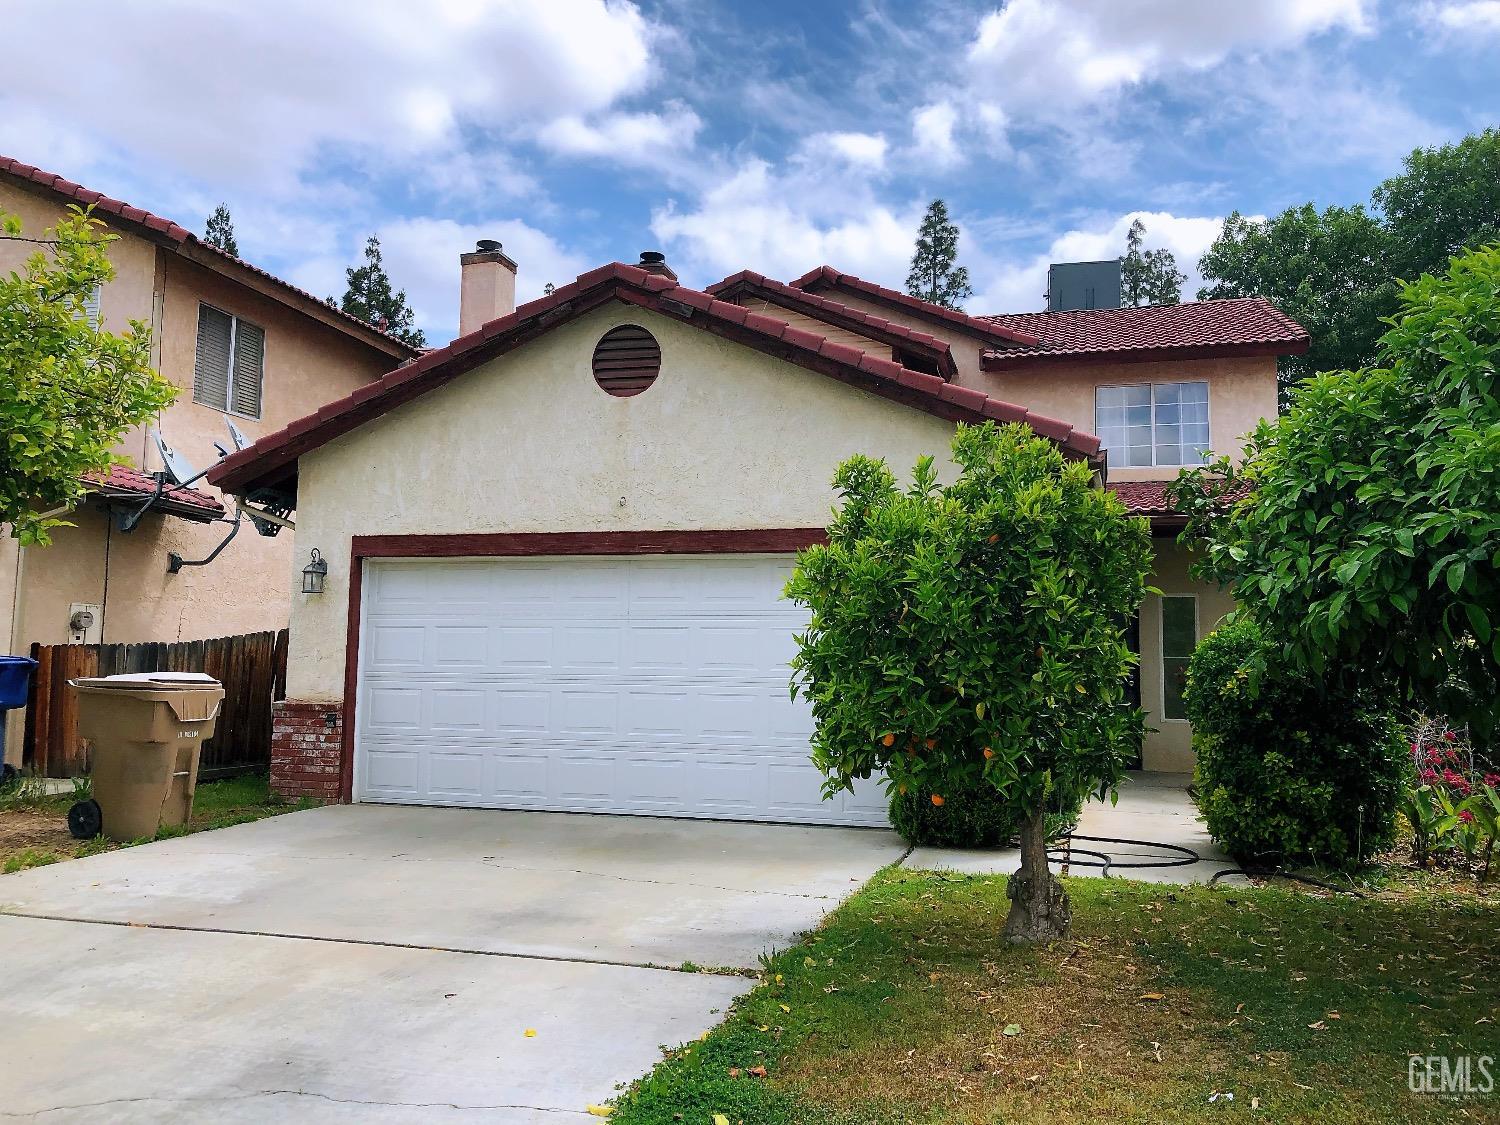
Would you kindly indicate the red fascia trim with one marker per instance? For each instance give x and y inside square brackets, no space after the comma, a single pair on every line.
[1026,361]
[983,329]
[894,335]
[504,544]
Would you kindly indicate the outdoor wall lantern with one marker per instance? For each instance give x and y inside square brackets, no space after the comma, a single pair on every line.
[314,574]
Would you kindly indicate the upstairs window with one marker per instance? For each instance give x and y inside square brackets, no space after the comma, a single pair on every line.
[1153,423]
[91,306]
[231,362]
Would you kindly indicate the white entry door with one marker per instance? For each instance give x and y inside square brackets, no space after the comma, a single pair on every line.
[651,684]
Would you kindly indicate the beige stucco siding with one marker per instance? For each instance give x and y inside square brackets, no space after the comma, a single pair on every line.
[1169,744]
[1240,393]
[727,438]
[307,364]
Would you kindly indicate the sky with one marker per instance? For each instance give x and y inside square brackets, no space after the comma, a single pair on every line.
[774,136]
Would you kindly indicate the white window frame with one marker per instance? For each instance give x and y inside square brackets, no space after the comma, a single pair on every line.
[1161,648]
[1155,464]
[234,338]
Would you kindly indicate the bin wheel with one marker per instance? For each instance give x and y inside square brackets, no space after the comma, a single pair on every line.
[85,820]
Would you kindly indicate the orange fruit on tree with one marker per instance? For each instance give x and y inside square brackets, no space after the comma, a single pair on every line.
[888,739]
[937,800]
[931,742]
[988,753]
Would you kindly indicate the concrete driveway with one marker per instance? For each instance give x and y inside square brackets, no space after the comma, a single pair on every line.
[368,963]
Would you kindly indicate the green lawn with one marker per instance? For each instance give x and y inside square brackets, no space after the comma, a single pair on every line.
[1304,1006]
[34,829]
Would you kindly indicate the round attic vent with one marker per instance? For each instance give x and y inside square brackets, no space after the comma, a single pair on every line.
[626,360]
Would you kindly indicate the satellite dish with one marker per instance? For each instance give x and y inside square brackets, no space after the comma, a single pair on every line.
[179,471]
[236,435]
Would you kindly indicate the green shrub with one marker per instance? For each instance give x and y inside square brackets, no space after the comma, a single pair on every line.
[974,814]
[1288,768]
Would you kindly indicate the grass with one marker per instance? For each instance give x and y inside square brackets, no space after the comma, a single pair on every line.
[34,832]
[1304,1006]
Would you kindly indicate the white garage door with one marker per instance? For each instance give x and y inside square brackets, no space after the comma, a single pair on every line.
[653,685]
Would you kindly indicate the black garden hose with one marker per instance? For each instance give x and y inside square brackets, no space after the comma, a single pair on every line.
[1062,851]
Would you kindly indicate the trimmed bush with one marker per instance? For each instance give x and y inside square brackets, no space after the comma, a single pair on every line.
[974,814]
[1289,769]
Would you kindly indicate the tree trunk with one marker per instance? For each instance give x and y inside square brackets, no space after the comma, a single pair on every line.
[1039,910]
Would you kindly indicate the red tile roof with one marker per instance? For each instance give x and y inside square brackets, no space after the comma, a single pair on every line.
[272,459]
[1244,326]
[826,277]
[126,481]
[1144,497]
[746,282]
[184,241]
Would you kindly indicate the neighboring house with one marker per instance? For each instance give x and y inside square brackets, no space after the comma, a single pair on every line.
[557,546]
[243,346]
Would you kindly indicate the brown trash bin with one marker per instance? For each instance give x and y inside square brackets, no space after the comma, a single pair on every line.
[147,730]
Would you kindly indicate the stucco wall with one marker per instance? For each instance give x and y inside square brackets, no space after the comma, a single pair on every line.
[307,364]
[1240,393]
[726,438]
[1169,746]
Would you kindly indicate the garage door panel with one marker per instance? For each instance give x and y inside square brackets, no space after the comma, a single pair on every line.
[653,686]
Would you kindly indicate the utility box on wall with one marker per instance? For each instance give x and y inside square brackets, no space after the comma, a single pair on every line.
[85,623]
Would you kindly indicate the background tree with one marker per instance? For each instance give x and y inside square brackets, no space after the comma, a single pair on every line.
[1368,540]
[1148,277]
[220,231]
[1332,270]
[1327,270]
[371,297]
[1447,201]
[69,390]
[935,275]
[975,631]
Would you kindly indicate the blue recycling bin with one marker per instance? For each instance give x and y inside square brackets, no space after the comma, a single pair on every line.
[15,678]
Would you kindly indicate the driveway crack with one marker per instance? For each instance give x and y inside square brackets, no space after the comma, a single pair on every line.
[417,946]
[246,1095]
[657,882]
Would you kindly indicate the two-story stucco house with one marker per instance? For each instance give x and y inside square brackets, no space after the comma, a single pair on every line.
[557,545]
[244,347]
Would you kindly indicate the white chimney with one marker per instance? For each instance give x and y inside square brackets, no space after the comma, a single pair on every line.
[487,286]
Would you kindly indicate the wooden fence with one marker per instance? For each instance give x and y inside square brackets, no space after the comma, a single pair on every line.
[252,668]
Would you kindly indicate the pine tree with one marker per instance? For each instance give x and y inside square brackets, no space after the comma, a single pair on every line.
[934,275]
[220,231]
[1148,277]
[370,298]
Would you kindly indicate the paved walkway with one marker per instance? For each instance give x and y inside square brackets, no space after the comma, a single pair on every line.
[1153,807]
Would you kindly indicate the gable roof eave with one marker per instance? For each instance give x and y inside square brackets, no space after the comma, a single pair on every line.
[828,277]
[878,329]
[272,459]
[172,236]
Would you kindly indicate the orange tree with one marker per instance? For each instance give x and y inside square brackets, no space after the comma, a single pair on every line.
[976,629]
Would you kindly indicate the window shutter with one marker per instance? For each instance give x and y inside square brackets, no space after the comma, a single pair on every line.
[249,368]
[91,307]
[211,371]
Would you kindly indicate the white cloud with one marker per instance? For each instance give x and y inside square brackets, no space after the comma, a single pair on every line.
[932,133]
[1049,54]
[421,256]
[784,224]
[1020,286]
[223,89]
[624,138]
[1462,17]
[862,149]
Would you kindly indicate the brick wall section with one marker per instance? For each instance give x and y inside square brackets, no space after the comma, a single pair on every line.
[306,749]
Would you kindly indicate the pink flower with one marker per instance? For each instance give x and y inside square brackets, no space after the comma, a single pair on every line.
[1492,780]
[1449,735]
[1429,777]
[1466,816]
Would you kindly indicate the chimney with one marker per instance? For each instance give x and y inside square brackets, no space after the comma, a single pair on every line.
[487,286]
[654,261]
